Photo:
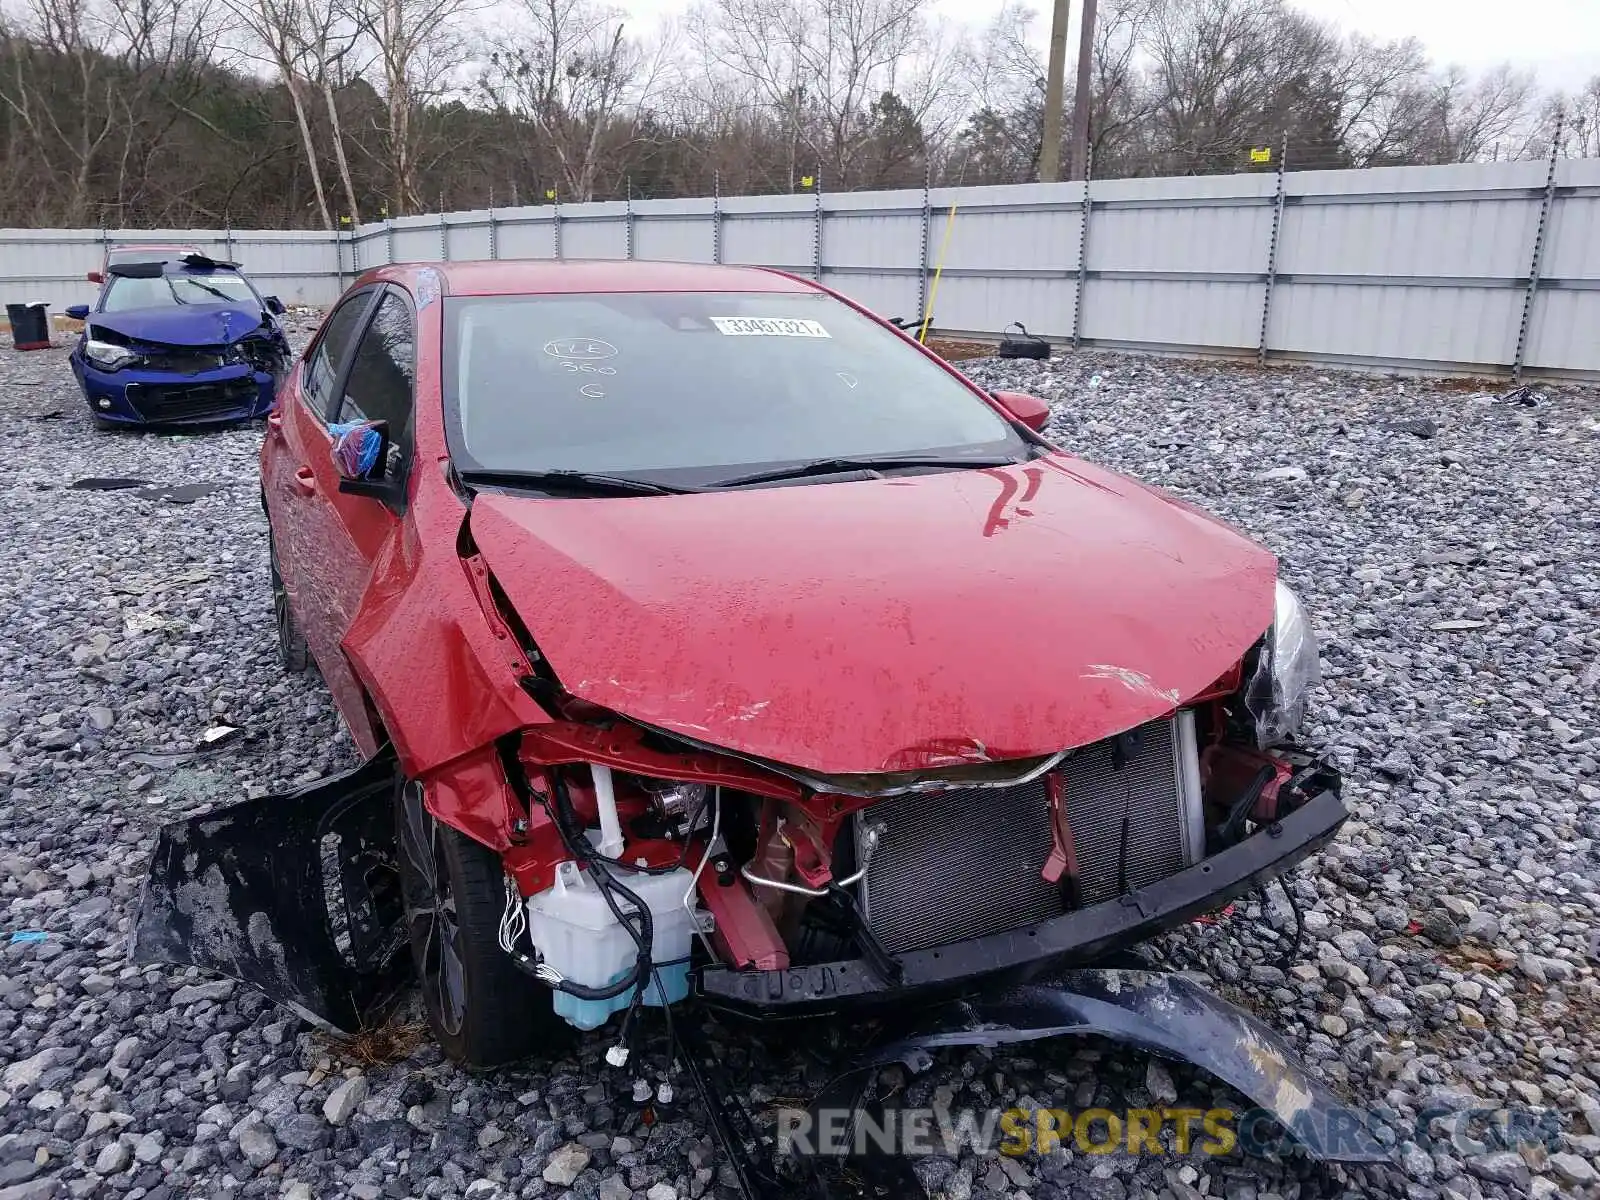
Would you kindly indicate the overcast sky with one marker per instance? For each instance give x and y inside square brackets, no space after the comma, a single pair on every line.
[1559,40]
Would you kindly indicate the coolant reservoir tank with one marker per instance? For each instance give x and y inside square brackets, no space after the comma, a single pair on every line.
[576,933]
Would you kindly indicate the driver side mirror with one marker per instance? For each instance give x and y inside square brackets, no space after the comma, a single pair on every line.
[274,305]
[95,277]
[1025,409]
[361,453]
[78,312]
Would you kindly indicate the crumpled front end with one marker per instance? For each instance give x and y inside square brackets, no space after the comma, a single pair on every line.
[133,381]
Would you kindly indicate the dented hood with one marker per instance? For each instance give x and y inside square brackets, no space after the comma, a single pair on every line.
[887,625]
[182,325]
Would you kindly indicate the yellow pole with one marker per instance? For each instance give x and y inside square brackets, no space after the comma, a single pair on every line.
[944,246]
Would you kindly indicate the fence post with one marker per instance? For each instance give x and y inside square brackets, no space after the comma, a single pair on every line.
[1272,251]
[444,233]
[227,237]
[816,231]
[388,232]
[355,248]
[628,227]
[922,259]
[1083,252]
[338,258]
[494,245]
[1546,205]
[555,228]
[716,217]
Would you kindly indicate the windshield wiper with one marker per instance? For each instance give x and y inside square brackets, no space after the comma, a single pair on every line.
[578,481]
[206,287]
[837,466]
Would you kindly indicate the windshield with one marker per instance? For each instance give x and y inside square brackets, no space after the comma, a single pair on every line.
[695,383]
[211,287]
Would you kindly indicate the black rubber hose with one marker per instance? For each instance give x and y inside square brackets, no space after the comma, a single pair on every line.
[643,937]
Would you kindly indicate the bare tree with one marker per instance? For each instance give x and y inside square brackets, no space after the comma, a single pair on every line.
[277,33]
[821,65]
[421,45]
[567,67]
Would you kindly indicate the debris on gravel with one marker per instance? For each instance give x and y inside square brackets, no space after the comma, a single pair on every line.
[1446,962]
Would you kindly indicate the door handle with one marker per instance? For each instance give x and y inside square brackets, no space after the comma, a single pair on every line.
[306,480]
[275,423]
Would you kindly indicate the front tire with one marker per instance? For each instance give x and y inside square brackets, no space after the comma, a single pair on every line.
[483,1010]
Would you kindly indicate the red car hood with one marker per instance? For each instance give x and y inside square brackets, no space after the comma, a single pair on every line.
[888,625]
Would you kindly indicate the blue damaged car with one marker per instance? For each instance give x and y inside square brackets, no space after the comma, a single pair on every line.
[179,341]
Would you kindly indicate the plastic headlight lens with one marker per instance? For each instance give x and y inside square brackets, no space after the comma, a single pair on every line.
[107,355]
[1287,668]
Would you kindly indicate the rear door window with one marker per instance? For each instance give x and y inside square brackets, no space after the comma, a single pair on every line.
[326,361]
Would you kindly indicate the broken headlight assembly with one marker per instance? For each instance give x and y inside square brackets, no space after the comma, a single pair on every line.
[1281,671]
[108,356]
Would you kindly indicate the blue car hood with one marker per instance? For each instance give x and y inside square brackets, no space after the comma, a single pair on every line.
[183,325]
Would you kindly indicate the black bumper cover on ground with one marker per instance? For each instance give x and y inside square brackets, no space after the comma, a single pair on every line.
[296,895]
[1162,1013]
[1078,938]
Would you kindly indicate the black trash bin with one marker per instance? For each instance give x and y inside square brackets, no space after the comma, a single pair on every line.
[30,325]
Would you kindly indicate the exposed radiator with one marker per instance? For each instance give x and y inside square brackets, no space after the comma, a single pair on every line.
[965,863]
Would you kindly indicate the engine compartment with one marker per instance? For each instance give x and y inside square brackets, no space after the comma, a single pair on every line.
[680,858]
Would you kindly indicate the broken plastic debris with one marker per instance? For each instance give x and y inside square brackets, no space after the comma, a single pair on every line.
[23,937]
[641,1090]
[217,734]
[106,485]
[180,493]
[1457,626]
[617,1055]
[1094,381]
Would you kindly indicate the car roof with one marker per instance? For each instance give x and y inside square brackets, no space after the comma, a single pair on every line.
[511,277]
[152,250]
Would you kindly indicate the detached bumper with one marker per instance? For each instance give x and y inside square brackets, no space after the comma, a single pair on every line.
[1076,939]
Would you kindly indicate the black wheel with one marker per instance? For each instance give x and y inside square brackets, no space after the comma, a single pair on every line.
[483,1010]
[292,651]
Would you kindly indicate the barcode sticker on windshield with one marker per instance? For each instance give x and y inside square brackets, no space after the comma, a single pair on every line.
[769,327]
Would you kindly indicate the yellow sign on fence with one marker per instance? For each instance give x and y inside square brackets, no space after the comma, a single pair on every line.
[549,193]
[1261,154]
[807,180]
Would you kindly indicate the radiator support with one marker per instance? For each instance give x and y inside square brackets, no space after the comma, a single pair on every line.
[967,862]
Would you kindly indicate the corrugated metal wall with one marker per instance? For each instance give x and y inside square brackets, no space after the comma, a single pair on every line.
[1425,267]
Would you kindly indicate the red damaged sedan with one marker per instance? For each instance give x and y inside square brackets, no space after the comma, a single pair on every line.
[712,644]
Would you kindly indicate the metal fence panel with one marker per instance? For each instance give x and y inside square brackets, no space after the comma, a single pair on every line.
[526,233]
[1177,314]
[1564,326]
[1426,267]
[673,230]
[1449,327]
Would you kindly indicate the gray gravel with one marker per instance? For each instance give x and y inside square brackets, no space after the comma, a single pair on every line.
[1454,573]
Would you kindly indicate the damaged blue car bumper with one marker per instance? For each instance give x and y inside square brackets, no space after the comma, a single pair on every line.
[156,397]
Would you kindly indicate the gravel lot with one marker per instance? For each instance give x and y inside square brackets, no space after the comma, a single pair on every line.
[1453,568]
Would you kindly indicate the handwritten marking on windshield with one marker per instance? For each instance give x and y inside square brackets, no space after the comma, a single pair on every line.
[849,379]
[592,391]
[579,348]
